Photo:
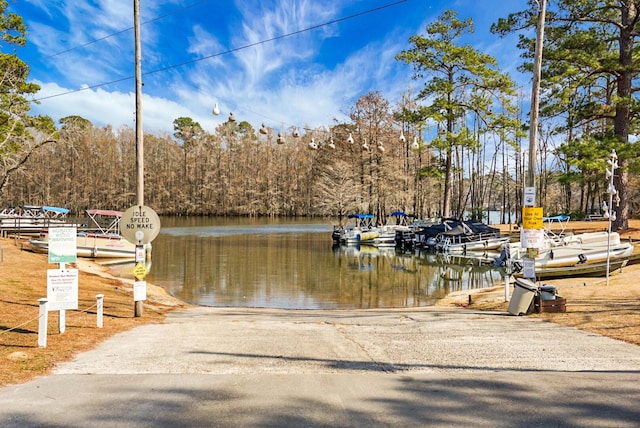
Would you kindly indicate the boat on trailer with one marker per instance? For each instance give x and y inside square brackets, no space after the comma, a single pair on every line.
[576,254]
[579,249]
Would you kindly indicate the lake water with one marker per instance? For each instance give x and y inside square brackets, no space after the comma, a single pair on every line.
[293,264]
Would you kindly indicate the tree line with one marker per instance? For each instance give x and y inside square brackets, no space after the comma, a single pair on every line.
[454,148]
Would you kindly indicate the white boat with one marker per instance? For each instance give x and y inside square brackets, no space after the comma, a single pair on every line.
[340,231]
[581,255]
[358,230]
[91,245]
[397,222]
[103,240]
[30,219]
[573,250]
[580,270]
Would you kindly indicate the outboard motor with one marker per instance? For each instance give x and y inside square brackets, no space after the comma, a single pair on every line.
[505,255]
[431,243]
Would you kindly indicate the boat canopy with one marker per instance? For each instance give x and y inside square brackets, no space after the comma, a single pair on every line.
[108,213]
[56,209]
[456,227]
[560,219]
[9,210]
[106,221]
[40,211]
[361,216]
[557,218]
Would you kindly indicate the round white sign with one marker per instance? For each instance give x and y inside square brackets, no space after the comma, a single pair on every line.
[140,225]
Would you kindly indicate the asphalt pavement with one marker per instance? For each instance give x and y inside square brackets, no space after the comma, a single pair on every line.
[429,366]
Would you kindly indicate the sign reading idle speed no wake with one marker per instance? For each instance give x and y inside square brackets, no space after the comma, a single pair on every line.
[140,225]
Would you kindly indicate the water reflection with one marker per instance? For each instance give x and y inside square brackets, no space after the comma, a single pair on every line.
[294,265]
[401,279]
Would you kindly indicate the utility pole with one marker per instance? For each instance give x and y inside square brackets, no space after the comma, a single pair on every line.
[532,234]
[535,94]
[138,305]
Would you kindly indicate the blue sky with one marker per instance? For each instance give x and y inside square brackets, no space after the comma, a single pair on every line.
[198,53]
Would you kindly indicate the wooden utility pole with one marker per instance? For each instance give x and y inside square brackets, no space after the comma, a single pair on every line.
[535,94]
[138,305]
[532,234]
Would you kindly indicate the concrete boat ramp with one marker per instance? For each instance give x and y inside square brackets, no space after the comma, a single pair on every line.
[428,366]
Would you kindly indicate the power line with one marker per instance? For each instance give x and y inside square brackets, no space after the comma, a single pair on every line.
[232,50]
[158,18]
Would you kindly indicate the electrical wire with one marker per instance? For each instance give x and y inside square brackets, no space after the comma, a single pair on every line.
[158,18]
[232,50]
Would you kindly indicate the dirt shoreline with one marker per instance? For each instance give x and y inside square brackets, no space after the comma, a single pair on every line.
[611,310]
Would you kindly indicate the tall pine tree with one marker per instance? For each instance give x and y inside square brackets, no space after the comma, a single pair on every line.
[590,67]
[459,81]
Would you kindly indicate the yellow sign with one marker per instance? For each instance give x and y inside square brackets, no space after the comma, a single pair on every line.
[140,271]
[532,218]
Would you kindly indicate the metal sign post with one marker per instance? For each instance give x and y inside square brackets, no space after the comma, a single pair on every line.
[140,225]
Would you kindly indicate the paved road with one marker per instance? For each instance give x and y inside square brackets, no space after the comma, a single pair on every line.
[292,368]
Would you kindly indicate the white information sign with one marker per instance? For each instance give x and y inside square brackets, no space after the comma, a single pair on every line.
[62,244]
[62,289]
[529,196]
[139,291]
[141,254]
[528,268]
[532,238]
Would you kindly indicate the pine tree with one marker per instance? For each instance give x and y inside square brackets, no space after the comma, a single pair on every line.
[459,81]
[20,133]
[590,71]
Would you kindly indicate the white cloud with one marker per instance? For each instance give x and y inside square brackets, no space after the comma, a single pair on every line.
[109,108]
[274,82]
[283,83]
